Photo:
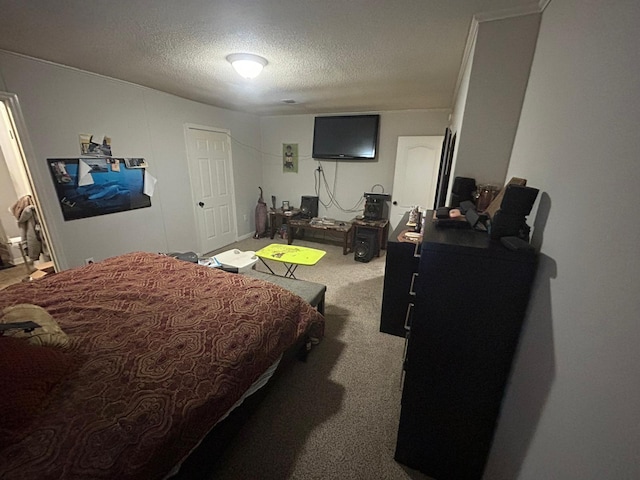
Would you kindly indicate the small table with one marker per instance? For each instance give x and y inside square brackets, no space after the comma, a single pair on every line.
[279,217]
[380,226]
[291,256]
[338,228]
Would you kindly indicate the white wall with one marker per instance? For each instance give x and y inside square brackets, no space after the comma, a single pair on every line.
[492,92]
[457,115]
[572,411]
[347,179]
[59,103]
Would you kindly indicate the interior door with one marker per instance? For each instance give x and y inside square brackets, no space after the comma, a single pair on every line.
[416,174]
[14,150]
[210,171]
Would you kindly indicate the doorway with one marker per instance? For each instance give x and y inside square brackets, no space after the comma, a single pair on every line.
[18,182]
[416,174]
[211,175]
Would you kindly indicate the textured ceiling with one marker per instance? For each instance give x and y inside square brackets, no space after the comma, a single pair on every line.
[326,55]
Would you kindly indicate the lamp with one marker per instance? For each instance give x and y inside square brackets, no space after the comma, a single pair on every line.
[247,64]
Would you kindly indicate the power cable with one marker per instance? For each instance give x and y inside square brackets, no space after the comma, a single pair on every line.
[319,176]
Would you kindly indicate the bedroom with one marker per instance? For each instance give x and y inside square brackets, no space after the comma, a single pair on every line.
[578,357]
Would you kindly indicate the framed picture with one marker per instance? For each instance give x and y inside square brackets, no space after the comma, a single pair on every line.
[135,163]
[94,145]
[290,157]
[90,186]
[285,205]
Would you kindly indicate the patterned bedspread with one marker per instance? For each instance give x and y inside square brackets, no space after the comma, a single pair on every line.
[164,349]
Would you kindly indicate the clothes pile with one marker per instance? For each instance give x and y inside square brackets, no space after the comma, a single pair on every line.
[25,212]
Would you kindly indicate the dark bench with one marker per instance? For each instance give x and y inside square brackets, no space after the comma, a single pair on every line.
[312,292]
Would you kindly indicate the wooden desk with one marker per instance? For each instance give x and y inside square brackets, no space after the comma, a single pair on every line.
[380,226]
[279,217]
[340,229]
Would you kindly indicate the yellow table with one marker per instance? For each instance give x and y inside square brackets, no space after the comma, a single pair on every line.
[292,256]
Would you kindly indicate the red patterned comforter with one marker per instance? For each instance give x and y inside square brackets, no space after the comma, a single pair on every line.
[165,348]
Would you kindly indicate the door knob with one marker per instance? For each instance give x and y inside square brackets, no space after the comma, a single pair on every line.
[201,204]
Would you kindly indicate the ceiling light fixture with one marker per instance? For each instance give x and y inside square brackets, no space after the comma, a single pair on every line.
[247,64]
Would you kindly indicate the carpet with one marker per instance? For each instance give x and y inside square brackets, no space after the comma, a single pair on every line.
[336,415]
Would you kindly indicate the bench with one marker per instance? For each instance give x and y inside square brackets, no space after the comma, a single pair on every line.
[313,293]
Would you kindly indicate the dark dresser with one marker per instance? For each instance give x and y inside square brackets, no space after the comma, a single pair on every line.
[471,296]
[401,270]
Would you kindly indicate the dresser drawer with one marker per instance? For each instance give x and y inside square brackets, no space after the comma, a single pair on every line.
[400,282]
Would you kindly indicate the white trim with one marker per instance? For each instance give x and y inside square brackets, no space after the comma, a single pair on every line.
[488,17]
[508,13]
[223,131]
[245,236]
[543,4]
[27,155]
[79,70]
[466,57]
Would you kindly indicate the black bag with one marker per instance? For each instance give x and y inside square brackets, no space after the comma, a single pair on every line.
[186,256]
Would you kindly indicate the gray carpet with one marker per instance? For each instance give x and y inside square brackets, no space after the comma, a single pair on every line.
[335,416]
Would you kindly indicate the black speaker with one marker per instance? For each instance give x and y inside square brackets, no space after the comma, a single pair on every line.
[309,206]
[518,200]
[373,210]
[510,220]
[376,206]
[509,225]
[365,245]
[462,190]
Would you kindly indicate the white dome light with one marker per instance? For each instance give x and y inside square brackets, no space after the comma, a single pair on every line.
[247,64]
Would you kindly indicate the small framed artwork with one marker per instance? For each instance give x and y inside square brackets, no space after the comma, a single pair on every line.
[290,157]
[135,163]
[95,145]
[285,205]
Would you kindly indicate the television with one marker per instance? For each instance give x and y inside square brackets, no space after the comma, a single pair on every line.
[347,137]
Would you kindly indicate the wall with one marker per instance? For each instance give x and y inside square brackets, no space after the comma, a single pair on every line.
[457,115]
[572,411]
[492,96]
[59,103]
[348,180]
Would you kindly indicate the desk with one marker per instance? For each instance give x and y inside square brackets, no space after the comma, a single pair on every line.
[340,229]
[292,257]
[380,226]
[279,217]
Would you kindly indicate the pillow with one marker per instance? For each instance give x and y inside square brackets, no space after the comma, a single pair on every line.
[49,332]
[28,373]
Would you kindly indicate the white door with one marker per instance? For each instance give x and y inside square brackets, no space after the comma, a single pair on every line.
[211,187]
[416,175]
[13,140]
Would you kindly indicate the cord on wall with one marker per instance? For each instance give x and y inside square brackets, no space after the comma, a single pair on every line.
[251,147]
[319,179]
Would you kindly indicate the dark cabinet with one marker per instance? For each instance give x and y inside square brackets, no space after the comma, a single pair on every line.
[471,299]
[401,270]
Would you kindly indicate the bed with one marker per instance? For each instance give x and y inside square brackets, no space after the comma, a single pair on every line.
[159,350]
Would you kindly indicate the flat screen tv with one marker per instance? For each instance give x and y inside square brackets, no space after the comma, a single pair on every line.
[349,137]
